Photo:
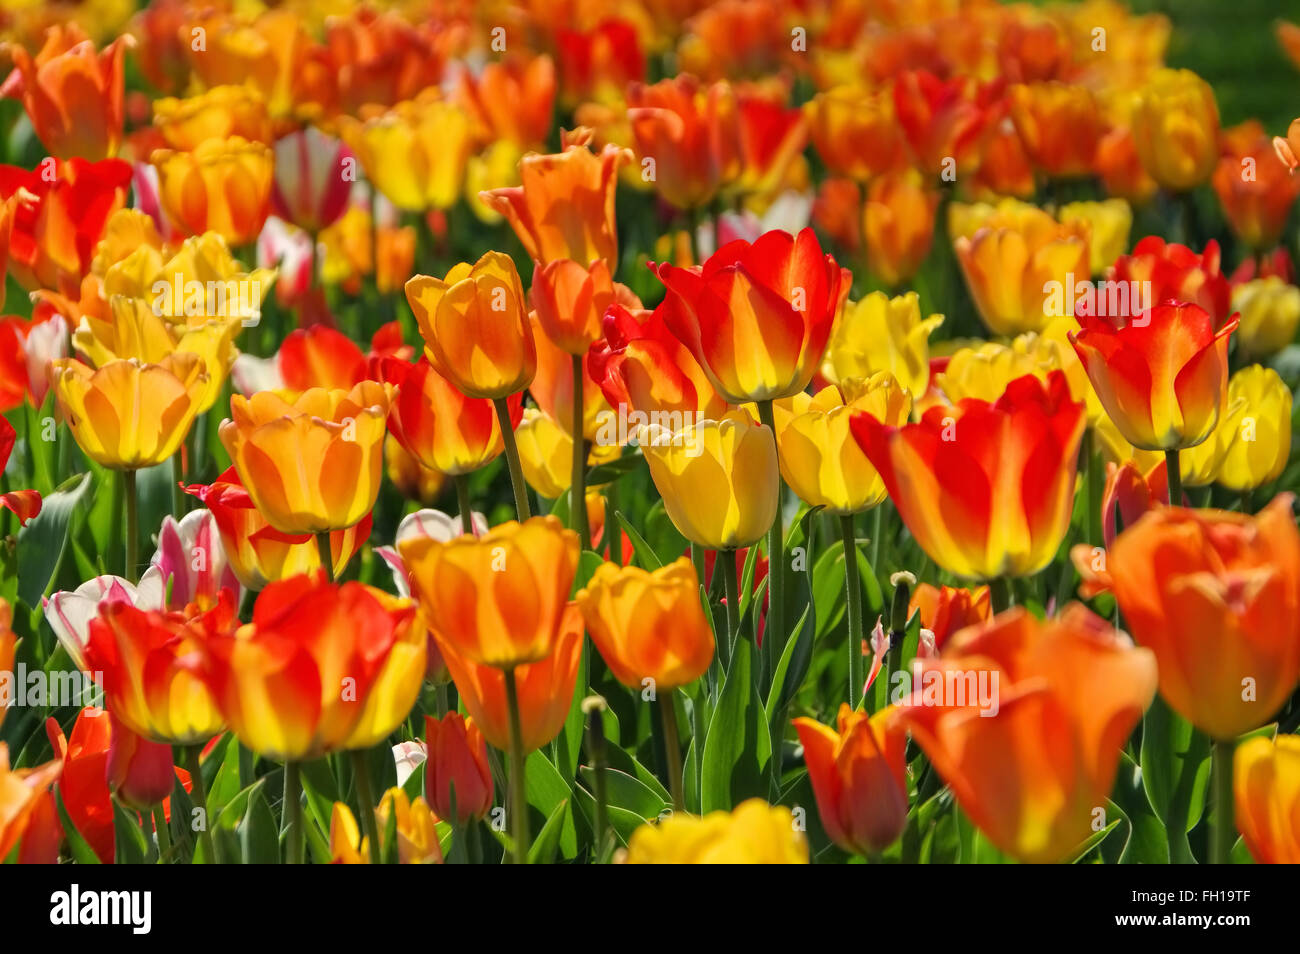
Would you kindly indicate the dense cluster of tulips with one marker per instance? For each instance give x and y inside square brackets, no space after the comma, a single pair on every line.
[863,431]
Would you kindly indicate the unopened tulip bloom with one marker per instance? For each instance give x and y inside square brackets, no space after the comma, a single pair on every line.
[222,186]
[986,489]
[859,777]
[1216,596]
[564,206]
[511,100]
[880,333]
[475,326]
[147,684]
[1266,784]
[218,113]
[1269,310]
[323,667]
[140,772]
[819,458]
[1287,147]
[412,479]
[441,427]
[415,153]
[1059,124]
[72,94]
[685,133]
[499,597]
[1162,376]
[757,317]
[570,300]
[546,453]
[545,687]
[898,225]
[648,624]
[313,464]
[456,767]
[127,415]
[1259,444]
[752,833]
[854,132]
[718,478]
[1062,694]
[1176,129]
[414,826]
[1256,192]
[313,179]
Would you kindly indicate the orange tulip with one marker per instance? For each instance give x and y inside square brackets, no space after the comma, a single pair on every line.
[379,58]
[8,646]
[1059,124]
[442,428]
[570,299]
[512,100]
[942,119]
[686,137]
[222,186]
[313,464]
[1178,272]
[475,326]
[1216,596]
[497,599]
[146,684]
[72,94]
[545,687]
[564,207]
[1255,191]
[854,132]
[648,625]
[859,777]
[986,489]
[1162,377]
[268,53]
[947,609]
[1026,721]
[456,767]
[323,667]
[898,225]
[219,113]
[1266,783]
[552,388]
[29,817]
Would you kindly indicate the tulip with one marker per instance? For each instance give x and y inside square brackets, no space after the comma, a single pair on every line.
[1177,272]
[72,94]
[984,369]
[880,333]
[1214,594]
[1288,147]
[414,825]
[571,299]
[127,415]
[1266,788]
[1259,446]
[313,179]
[819,458]
[218,113]
[499,597]
[223,186]
[314,464]
[718,479]
[1108,225]
[1162,377]
[854,132]
[140,772]
[412,479]
[267,52]
[29,816]
[475,327]
[83,782]
[1269,311]
[1255,191]
[1121,170]
[757,317]
[986,489]
[546,453]
[347,846]
[752,833]
[1176,129]
[947,609]
[414,154]
[511,100]
[25,504]
[942,119]
[69,613]
[379,58]
[859,777]
[1064,694]
[1059,124]
[898,225]
[457,778]
[599,63]
[564,206]
[258,553]
[8,645]
[142,657]
[685,135]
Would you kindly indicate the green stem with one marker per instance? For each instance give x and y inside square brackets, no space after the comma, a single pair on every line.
[672,750]
[132,524]
[578,483]
[518,784]
[775,641]
[1175,478]
[178,495]
[697,558]
[1223,828]
[596,748]
[1094,480]
[160,828]
[326,554]
[613,532]
[1000,595]
[293,831]
[725,560]
[522,510]
[462,501]
[199,797]
[853,601]
[366,802]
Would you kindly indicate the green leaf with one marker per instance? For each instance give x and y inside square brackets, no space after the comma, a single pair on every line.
[1175,761]
[547,842]
[738,744]
[644,554]
[627,791]
[792,667]
[547,789]
[259,835]
[45,537]
[82,853]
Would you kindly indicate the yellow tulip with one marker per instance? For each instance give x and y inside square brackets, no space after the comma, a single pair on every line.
[1108,225]
[1176,129]
[880,333]
[1258,448]
[1270,312]
[128,414]
[415,827]
[415,154]
[753,833]
[222,185]
[546,453]
[1266,785]
[718,478]
[819,458]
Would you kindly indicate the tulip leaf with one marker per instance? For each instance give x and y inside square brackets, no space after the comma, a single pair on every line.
[547,789]
[738,745]
[619,758]
[44,539]
[566,747]
[1112,819]
[547,842]
[792,667]
[259,835]
[622,821]
[644,554]
[132,848]
[82,853]
[1175,760]
[626,791]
